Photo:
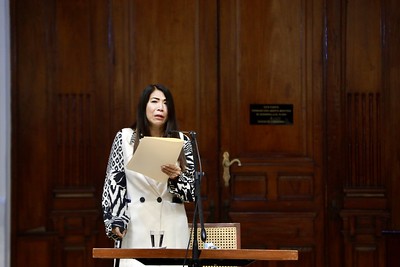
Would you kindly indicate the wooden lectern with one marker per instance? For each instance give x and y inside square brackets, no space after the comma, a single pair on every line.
[221,257]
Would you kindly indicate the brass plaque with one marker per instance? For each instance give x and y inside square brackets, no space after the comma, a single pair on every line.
[271,114]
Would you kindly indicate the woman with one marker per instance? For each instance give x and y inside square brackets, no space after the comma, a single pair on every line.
[134,204]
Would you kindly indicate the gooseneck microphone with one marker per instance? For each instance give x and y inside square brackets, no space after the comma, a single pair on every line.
[198,212]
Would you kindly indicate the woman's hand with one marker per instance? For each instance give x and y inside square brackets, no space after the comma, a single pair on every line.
[117,232]
[173,171]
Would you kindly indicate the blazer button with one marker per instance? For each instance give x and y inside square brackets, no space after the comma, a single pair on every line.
[142,199]
[159,199]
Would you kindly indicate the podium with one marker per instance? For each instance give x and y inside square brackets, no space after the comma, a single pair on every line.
[209,257]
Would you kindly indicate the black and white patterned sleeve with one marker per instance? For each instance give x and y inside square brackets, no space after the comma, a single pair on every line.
[183,186]
[114,198]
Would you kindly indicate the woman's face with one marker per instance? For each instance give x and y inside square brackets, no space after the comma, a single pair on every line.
[156,109]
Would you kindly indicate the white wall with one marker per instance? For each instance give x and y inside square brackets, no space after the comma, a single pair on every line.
[5,133]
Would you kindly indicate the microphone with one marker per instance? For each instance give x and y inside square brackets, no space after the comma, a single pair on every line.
[198,207]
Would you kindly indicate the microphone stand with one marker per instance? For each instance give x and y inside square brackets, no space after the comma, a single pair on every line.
[198,205]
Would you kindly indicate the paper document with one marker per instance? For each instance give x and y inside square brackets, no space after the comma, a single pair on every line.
[152,153]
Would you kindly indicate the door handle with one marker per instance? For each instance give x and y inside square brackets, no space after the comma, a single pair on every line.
[226,163]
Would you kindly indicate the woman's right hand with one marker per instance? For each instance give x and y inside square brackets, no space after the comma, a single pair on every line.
[117,231]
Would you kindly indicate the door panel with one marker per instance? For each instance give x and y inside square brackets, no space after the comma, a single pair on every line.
[270,55]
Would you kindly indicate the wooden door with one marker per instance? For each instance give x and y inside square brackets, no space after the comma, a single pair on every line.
[271,120]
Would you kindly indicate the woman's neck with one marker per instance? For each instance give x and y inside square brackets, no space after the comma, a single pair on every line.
[156,132]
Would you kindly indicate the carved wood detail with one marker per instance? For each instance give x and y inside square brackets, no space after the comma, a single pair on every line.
[279,228]
[364,213]
[363,240]
[363,123]
[74,217]
[298,187]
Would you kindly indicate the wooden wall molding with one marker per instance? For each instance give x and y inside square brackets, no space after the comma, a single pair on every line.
[363,239]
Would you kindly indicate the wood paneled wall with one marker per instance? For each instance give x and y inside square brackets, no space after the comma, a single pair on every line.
[361,166]
[78,66]
[61,115]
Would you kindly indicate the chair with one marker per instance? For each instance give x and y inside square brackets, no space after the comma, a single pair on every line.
[222,235]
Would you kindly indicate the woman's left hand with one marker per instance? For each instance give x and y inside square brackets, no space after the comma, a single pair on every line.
[173,171]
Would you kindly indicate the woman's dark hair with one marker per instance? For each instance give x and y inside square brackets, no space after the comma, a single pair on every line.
[142,123]
[141,126]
